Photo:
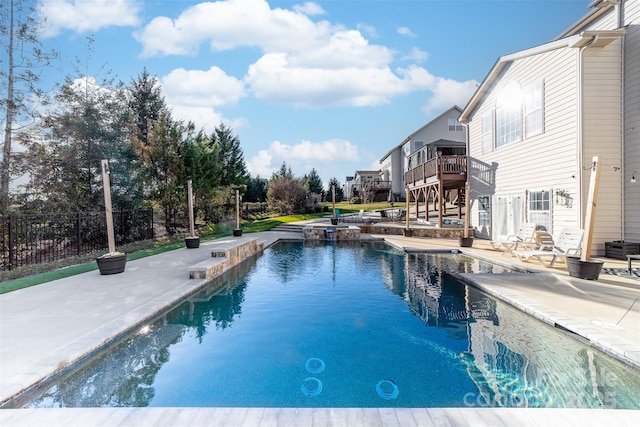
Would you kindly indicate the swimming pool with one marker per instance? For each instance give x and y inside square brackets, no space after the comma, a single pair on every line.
[347,325]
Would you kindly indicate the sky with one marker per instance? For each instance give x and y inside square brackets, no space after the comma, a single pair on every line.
[331,85]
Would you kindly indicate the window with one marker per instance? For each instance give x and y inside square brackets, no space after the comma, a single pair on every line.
[539,208]
[484,216]
[487,134]
[533,117]
[454,125]
[509,115]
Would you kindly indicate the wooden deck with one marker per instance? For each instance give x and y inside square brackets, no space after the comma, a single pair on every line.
[436,180]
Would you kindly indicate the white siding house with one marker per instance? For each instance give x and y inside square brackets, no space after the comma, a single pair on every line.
[414,148]
[542,114]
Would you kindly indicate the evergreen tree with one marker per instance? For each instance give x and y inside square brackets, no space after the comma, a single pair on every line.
[283,172]
[146,104]
[314,183]
[163,166]
[256,190]
[234,170]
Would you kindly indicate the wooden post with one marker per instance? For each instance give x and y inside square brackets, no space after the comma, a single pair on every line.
[440,203]
[237,209]
[467,208]
[192,229]
[107,205]
[333,199]
[407,209]
[592,200]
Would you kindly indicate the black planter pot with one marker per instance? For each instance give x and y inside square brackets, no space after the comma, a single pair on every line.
[589,270]
[111,264]
[407,232]
[465,242]
[192,242]
[237,232]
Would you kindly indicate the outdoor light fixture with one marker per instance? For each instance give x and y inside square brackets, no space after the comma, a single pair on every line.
[633,177]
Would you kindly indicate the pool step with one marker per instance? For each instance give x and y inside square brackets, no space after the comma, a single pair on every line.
[290,228]
[224,258]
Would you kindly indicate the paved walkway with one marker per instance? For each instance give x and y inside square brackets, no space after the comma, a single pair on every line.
[47,327]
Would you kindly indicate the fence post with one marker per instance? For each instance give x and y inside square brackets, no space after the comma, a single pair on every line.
[79,233]
[12,224]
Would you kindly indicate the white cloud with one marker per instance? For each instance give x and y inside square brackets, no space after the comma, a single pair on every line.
[299,61]
[304,156]
[447,92]
[87,15]
[369,30]
[228,24]
[416,55]
[194,95]
[212,88]
[273,79]
[310,9]
[404,31]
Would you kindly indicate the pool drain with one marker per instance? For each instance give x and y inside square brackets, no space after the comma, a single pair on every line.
[387,389]
[311,392]
[314,366]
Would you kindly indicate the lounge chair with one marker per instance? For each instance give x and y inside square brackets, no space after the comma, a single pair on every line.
[567,244]
[511,242]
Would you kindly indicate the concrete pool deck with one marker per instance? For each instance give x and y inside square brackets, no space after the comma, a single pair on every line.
[47,327]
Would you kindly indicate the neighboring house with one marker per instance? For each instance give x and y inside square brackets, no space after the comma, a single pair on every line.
[542,114]
[369,186]
[444,134]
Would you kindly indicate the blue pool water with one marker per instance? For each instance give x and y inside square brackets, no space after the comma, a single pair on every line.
[345,325]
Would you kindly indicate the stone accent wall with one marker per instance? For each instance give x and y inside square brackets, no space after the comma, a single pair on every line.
[331,233]
[438,233]
[224,259]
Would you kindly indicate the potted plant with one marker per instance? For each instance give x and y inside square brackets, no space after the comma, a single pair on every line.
[192,241]
[584,267]
[466,241]
[112,262]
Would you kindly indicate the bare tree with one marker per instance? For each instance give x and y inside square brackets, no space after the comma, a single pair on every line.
[20,73]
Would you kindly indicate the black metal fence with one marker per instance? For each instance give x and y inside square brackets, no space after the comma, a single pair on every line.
[34,239]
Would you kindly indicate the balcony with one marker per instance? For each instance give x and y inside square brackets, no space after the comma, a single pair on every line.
[373,185]
[451,171]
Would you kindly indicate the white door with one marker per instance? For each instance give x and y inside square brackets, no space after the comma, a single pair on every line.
[508,215]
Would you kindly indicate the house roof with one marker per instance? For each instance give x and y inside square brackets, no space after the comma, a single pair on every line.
[586,38]
[404,141]
[598,8]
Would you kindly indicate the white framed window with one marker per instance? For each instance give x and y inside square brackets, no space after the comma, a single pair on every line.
[484,213]
[533,112]
[454,125]
[540,208]
[509,115]
[487,133]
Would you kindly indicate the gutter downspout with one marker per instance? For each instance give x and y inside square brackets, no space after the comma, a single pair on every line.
[623,137]
[579,131]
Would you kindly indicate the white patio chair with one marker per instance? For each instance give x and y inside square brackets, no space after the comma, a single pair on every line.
[568,244]
[510,243]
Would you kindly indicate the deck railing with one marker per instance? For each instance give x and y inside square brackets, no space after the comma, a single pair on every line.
[441,167]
